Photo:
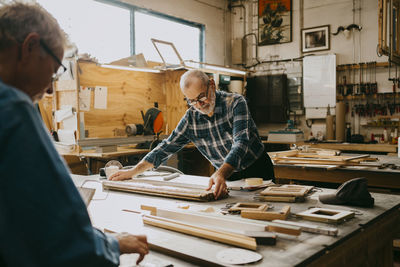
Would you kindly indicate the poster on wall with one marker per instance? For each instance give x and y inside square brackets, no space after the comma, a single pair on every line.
[274,22]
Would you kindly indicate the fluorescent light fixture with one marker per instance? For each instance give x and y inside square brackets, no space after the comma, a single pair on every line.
[129,68]
[241,72]
[218,67]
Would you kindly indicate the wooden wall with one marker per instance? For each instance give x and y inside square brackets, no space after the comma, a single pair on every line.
[129,92]
[176,105]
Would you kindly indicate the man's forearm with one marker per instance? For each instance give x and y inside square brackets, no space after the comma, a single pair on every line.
[226,170]
[141,167]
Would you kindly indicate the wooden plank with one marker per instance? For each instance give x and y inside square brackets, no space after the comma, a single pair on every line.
[356,157]
[159,188]
[385,178]
[176,105]
[219,236]
[290,153]
[310,228]
[358,147]
[316,162]
[237,225]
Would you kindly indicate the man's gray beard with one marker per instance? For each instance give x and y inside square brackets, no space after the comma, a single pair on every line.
[209,109]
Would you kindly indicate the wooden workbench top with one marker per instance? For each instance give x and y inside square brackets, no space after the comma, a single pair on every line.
[289,251]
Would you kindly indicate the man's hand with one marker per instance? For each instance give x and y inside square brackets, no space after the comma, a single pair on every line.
[219,179]
[133,244]
[122,175]
[128,174]
[220,185]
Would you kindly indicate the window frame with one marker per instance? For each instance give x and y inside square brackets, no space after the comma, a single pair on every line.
[133,9]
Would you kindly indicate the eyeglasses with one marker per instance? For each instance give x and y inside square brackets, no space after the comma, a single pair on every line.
[201,98]
[61,69]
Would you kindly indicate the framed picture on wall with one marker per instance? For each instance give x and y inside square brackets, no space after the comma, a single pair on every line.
[274,21]
[315,39]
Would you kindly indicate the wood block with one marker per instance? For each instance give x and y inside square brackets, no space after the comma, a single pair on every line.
[153,210]
[262,238]
[284,229]
[266,215]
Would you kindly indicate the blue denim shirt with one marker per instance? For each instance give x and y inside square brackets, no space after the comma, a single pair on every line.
[43,220]
[229,135]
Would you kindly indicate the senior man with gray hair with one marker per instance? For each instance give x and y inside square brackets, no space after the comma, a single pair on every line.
[220,126]
[43,219]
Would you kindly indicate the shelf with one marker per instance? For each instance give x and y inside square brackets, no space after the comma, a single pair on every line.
[365,65]
[375,96]
[382,126]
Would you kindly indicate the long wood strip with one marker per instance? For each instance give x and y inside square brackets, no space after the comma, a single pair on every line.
[202,232]
[344,163]
[160,190]
[357,157]
[316,229]
[199,227]
[234,224]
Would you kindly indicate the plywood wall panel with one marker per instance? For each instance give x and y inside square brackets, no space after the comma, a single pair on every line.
[176,105]
[129,92]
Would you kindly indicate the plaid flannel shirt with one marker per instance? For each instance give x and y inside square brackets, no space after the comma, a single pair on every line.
[229,135]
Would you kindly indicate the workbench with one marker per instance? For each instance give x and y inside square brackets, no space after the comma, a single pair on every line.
[349,147]
[382,178]
[365,240]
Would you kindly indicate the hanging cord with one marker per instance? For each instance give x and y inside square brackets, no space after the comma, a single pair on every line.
[89,180]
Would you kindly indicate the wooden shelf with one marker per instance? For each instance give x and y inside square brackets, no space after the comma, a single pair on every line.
[375,96]
[358,66]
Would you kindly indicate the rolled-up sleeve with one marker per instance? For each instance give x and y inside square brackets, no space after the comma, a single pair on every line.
[241,133]
[175,142]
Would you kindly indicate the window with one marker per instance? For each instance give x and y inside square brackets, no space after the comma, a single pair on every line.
[185,38]
[114,30]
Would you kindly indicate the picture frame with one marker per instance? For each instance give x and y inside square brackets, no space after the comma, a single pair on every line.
[274,22]
[315,39]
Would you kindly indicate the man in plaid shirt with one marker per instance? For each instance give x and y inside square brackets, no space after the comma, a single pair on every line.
[220,126]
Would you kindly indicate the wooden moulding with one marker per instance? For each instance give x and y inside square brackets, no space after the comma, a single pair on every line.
[236,225]
[280,199]
[262,238]
[266,215]
[326,215]
[310,228]
[248,207]
[295,191]
[160,188]
[207,233]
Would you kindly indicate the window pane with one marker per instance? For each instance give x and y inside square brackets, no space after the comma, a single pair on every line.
[185,38]
[101,30]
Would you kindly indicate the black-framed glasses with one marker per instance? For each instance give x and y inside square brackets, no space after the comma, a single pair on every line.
[61,69]
[201,98]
